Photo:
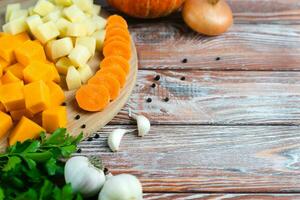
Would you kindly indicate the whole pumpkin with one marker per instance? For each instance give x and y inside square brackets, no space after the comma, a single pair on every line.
[146,8]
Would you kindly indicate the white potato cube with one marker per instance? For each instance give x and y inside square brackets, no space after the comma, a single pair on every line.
[96,10]
[76,30]
[88,42]
[100,37]
[15,14]
[60,48]
[90,27]
[63,2]
[62,24]
[79,55]
[53,16]
[10,8]
[15,27]
[62,65]
[43,7]
[33,22]
[46,32]
[84,5]
[74,14]
[30,11]
[99,22]
[85,73]
[73,78]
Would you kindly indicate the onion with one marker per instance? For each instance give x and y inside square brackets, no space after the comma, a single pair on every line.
[209,17]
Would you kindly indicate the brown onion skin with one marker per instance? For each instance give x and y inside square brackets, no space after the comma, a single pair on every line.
[208,17]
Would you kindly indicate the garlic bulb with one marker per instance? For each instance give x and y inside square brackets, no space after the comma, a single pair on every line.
[83,176]
[122,187]
[114,139]
[143,124]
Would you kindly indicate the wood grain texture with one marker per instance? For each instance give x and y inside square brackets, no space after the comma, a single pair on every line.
[206,158]
[171,196]
[216,97]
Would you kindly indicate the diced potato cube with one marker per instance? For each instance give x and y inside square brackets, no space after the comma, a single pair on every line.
[100,37]
[62,24]
[60,48]
[10,8]
[76,30]
[79,55]
[90,27]
[96,10]
[74,14]
[15,14]
[100,22]
[63,64]
[84,5]
[43,7]
[53,16]
[63,2]
[88,42]
[30,11]
[15,26]
[73,78]
[85,73]
[33,22]
[46,32]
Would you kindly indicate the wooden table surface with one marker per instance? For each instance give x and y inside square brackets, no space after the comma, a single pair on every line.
[231,128]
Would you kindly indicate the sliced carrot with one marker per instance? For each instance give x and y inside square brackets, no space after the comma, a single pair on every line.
[110,82]
[117,48]
[92,97]
[117,20]
[118,32]
[115,60]
[117,71]
[115,38]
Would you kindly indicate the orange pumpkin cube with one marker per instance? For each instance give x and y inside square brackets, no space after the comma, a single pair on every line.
[12,96]
[8,44]
[38,70]
[25,129]
[2,108]
[22,37]
[16,69]
[16,115]
[54,118]
[9,77]
[54,74]
[57,95]
[3,63]
[5,123]
[37,96]
[29,51]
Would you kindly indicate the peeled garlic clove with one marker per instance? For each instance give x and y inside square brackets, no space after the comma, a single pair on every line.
[143,124]
[114,139]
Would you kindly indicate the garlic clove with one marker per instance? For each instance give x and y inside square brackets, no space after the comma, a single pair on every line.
[143,124]
[114,139]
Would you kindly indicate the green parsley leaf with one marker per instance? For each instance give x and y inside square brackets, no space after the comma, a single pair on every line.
[12,163]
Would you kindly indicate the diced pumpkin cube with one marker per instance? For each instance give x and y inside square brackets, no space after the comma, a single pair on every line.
[15,26]
[10,8]
[37,70]
[73,79]
[85,73]
[88,42]
[8,43]
[99,36]
[22,37]
[62,24]
[9,77]
[30,51]
[59,48]
[74,14]
[37,96]
[46,32]
[5,124]
[80,55]
[2,108]
[15,14]
[43,7]
[63,2]
[54,74]
[57,95]
[3,63]
[62,65]
[25,129]
[12,96]
[16,115]
[16,70]
[33,22]
[77,29]
[54,118]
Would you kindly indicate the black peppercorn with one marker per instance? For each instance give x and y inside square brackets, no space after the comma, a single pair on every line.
[79,150]
[96,135]
[90,139]
[64,104]
[185,60]
[182,78]
[149,100]
[77,117]
[166,99]
[218,58]
[153,85]
[83,126]
[157,77]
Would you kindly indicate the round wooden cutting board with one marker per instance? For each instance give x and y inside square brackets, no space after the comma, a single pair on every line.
[92,121]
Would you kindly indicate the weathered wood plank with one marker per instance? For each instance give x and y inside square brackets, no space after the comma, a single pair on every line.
[207,158]
[244,47]
[171,196]
[216,97]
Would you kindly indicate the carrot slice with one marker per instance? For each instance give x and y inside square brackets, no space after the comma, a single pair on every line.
[115,71]
[117,32]
[117,48]
[92,97]
[115,60]
[115,38]
[110,82]
[117,19]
